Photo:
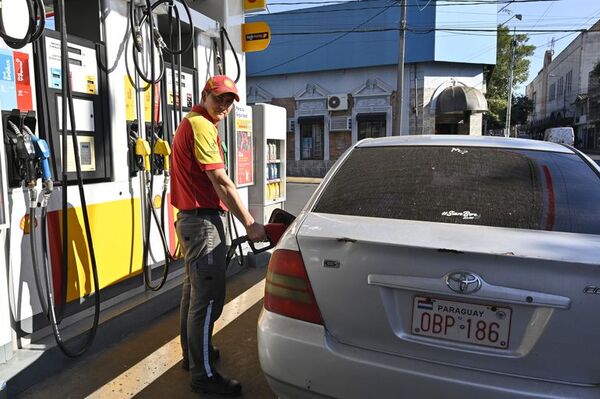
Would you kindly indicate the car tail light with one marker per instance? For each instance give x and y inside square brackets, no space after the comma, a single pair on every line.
[287,288]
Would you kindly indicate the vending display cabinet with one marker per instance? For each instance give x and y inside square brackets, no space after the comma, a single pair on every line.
[269,127]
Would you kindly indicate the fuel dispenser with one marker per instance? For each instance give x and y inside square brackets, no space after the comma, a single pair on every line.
[65,93]
[269,126]
[90,102]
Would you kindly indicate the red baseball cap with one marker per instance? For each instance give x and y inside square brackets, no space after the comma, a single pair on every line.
[221,84]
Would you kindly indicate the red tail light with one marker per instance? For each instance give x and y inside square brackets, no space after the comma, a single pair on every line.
[287,289]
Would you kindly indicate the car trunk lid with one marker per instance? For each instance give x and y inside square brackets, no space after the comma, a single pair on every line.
[373,278]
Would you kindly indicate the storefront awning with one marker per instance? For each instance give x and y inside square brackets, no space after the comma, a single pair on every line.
[460,99]
[311,120]
[373,116]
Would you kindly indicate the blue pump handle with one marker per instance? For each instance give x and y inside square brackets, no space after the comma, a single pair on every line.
[42,151]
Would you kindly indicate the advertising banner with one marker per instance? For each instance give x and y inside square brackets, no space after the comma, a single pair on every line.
[244,147]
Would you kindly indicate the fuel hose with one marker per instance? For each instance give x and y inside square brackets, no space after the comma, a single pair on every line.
[67,98]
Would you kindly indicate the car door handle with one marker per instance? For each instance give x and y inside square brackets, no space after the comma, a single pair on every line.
[487,292]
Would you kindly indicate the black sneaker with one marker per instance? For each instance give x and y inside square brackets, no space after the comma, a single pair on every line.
[217,384]
[214,356]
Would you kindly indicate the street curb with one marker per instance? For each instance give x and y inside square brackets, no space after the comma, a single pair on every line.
[308,180]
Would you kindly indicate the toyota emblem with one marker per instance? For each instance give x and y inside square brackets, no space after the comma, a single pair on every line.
[463,282]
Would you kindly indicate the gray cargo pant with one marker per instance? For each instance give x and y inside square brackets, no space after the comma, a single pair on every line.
[202,239]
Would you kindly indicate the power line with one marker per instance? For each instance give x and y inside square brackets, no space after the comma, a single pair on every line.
[321,46]
[507,4]
[427,30]
[319,9]
[440,2]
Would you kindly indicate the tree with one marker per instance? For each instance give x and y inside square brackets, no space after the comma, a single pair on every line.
[596,71]
[521,108]
[497,90]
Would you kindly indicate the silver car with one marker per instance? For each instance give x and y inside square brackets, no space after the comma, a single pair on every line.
[440,267]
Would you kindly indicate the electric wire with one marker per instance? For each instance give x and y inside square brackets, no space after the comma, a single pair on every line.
[336,5]
[322,45]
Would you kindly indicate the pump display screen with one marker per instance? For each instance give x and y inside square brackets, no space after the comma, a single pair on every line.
[85,152]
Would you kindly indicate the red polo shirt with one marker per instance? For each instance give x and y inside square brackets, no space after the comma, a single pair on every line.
[196,149]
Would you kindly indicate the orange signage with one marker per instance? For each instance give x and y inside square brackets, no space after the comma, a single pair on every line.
[256,36]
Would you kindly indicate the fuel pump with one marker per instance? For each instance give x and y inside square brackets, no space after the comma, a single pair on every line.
[31,156]
[22,154]
[154,151]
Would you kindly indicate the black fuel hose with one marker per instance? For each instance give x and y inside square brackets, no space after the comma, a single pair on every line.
[68,101]
[168,258]
[237,61]
[34,29]
[34,259]
[175,62]
[150,212]
[236,243]
[137,48]
[190,39]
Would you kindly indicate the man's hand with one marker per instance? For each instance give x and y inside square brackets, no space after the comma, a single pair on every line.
[256,232]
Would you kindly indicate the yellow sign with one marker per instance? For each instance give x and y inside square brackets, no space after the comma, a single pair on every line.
[147,102]
[255,5]
[129,100]
[91,84]
[256,36]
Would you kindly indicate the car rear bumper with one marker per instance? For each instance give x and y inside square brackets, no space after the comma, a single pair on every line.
[299,361]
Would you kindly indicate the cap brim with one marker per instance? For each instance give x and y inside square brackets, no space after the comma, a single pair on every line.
[224,91]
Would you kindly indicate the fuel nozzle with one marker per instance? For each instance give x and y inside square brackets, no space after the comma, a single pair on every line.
[137,37]
[26,152]
[42,153]
[160,43]
[142,149]
[279,221]
[162,148]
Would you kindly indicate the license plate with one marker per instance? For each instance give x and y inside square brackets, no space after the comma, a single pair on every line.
[487,325]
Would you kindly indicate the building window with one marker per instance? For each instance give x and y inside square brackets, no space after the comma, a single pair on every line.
[371,125]
[552,93]
[561,85]
[569,82]
[311,137]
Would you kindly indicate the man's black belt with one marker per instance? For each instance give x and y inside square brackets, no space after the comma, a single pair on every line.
[202,212]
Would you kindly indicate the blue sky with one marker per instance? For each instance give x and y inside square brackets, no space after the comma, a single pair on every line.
[555,15]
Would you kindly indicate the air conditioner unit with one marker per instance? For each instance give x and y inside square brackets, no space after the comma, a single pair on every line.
[291,125]
[337,102]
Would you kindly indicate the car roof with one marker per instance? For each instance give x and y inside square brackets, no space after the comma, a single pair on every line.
[464,141]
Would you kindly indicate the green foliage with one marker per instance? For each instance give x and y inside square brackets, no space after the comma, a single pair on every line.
[596,71]
[497,90]
[521,107]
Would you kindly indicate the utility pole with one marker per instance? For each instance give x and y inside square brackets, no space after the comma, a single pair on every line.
[400,88]
[510,84]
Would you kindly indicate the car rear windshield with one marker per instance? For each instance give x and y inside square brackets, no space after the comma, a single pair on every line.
[468,185]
